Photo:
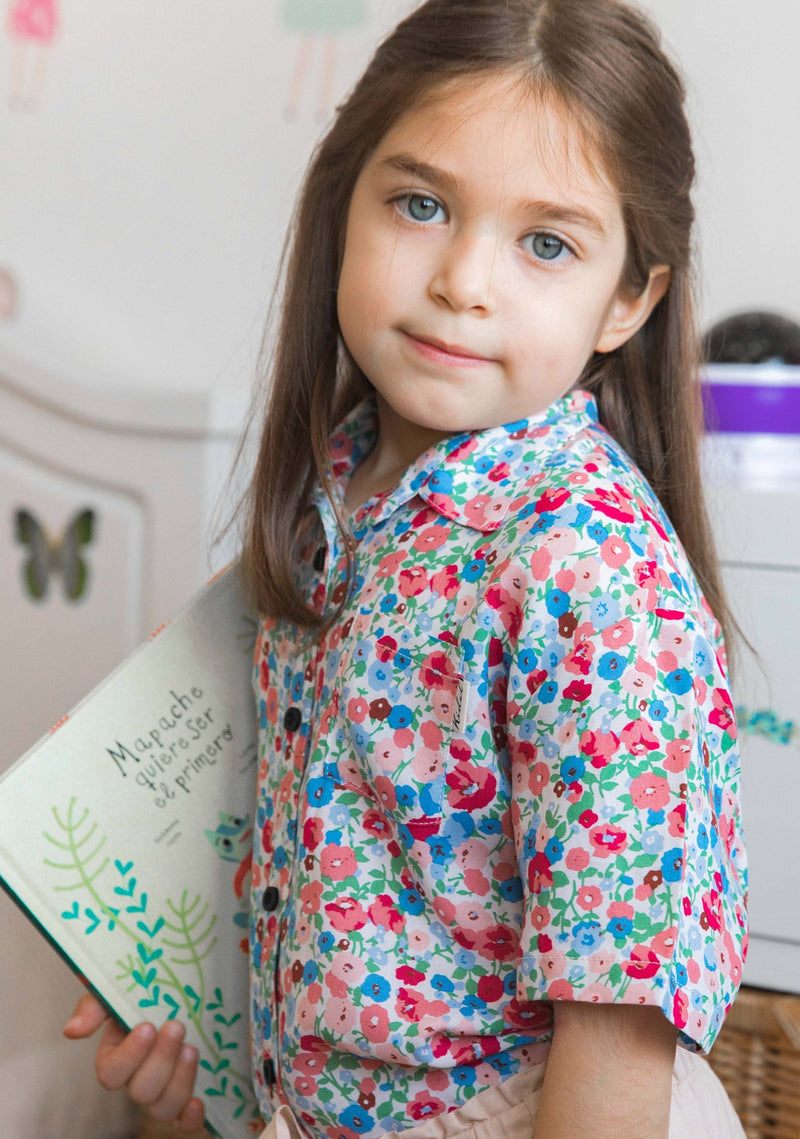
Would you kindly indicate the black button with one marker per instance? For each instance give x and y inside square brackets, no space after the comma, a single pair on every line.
[269,1072]
[292,720]
[319,559]
[270,899]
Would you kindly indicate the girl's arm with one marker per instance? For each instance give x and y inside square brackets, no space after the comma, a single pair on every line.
[609,1072]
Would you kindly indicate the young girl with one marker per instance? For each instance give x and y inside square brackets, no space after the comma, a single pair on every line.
[498,871]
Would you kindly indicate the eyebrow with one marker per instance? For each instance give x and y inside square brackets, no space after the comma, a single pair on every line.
[553,213]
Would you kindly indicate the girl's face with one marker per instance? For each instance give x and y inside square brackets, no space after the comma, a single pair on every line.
[482,262]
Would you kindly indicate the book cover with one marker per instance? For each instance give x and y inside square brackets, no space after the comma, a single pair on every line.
[125,835]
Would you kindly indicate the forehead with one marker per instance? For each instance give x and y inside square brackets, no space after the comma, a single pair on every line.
[511,131]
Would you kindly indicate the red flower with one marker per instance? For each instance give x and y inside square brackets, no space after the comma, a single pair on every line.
[409,975]
[643,964]
[499,943]
[579,690]
[552,499]
[346,915]
[613,503]
[471,787]
[722,714]
[490,988]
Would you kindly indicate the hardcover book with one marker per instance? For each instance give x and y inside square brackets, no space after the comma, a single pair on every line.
[125,836]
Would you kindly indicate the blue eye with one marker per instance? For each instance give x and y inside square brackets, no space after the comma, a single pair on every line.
[419,207]
[548,247]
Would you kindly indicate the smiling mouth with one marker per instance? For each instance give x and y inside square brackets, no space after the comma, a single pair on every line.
[434,349]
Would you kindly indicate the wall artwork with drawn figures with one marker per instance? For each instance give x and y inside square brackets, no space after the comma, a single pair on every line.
[318,23]
[46,556]
[31,25]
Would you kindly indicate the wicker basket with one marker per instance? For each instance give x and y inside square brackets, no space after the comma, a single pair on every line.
[757,1058]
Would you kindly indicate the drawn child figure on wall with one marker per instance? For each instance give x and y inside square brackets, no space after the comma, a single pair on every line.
[31,25]
[318,21]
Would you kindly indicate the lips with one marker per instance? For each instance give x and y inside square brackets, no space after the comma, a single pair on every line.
[434,348]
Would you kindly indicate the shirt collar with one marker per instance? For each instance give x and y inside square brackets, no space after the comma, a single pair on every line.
[472,478]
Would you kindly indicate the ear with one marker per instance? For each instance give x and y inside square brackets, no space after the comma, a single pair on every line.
[629,314]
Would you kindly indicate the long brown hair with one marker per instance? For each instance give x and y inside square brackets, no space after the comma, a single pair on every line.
[602,62]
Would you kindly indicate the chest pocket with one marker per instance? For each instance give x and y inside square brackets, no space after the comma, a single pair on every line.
[395,714]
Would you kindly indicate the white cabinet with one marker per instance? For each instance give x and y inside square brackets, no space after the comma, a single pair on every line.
[756,515]
[107,501]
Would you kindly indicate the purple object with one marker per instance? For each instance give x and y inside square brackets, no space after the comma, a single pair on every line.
[752,409]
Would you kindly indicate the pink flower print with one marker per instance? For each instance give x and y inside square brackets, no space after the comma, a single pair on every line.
[607,839]
[677,821]
[615,552]
[638,738]
[643,963]
[680,1009]
[538,778]
[477,883]
[712,917]
[445,582]
[541,563]
[306,1085]
[384,913]
[33,19]
[507,606]
[339,1015]
[497,943]
[311,1063]
[577,858]
[589,897]
[475,509]
[425,1106]
[650,792]
[540,917]
[614,503]
[679,755]
[722,714]
[431,539]
[346,914]
[438,671]
[578,690]
[345,974]
[374,1021]
[386,793]
[530,1015]
[599,746]
[560,991]
[376,823]
[618,635]
[587,574]
[562,543]
[579,660]
[667,661]
[471,787]
[412,582]
[597,994]
[338,862]
[664,942]
[552,499]
[357,710]
[390,563]
[411,1005]
[311,897]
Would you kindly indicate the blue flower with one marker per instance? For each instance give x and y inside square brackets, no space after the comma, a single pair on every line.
[620,927]
[611,666]
[654,818]
[464,1075]
[586,936]
[557,602]
[319,791]
[376,987]
[388,603]
[440,847]
[441,482]
[554,851]
[548,692]
[679,681]
[379,674]
[400,716]
[597,532]
[442,984]
[510,983]
[573,768]
[411,901]
[604,610]
[472,1004]
[681,976]
[310,972]
[356,1118]
[672,864]
[326,941]
[658,710]
[406,795]
[474,569]
[511,889]
[465,958]
[527,660]
[431,795]
[652,842]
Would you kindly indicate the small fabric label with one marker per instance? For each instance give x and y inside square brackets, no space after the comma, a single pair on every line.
[462,699]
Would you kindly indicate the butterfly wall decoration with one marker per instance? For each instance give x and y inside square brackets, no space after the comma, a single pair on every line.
[62,556]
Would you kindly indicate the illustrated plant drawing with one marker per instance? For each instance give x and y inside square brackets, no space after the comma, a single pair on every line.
[168,950]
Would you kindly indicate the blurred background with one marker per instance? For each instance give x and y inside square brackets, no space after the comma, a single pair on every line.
[149,158]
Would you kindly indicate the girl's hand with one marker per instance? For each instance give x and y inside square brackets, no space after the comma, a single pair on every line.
[155,1067]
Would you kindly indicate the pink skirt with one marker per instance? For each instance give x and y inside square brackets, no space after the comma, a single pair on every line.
[700,1109]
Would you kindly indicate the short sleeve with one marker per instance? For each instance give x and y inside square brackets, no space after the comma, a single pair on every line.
[625,777]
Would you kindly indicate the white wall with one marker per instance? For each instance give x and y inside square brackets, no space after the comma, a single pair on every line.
[144,190]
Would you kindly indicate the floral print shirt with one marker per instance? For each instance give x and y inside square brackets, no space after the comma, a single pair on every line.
[507,775]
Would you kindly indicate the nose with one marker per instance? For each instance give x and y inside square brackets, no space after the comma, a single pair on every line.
[463,278]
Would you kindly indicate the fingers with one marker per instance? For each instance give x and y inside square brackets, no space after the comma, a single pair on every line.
[89,1014]
[156,1068]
